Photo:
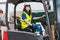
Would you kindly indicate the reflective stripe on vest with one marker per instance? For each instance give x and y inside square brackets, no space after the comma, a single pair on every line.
[23,23]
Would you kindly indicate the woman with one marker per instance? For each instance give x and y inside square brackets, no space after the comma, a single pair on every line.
[26,18]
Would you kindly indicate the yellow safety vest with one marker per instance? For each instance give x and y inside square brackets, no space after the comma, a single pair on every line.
[23,23]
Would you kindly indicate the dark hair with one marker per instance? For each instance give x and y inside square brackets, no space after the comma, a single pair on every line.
[26,10]
[1,11]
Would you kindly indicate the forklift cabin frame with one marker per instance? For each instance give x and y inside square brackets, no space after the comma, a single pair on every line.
[46,12]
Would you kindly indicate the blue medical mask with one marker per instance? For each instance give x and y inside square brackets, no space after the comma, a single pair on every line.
[27,8]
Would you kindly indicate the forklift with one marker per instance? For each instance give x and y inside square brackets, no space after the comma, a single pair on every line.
[16,2]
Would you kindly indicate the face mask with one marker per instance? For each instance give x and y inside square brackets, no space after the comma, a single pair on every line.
[27,8]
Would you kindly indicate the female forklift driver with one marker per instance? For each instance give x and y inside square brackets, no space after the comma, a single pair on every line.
[26,18]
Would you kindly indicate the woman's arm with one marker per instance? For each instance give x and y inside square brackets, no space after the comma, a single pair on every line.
[36,18]
[27,22]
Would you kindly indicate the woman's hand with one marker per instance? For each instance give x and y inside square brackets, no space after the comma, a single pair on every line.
[43,16]
[30,24]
